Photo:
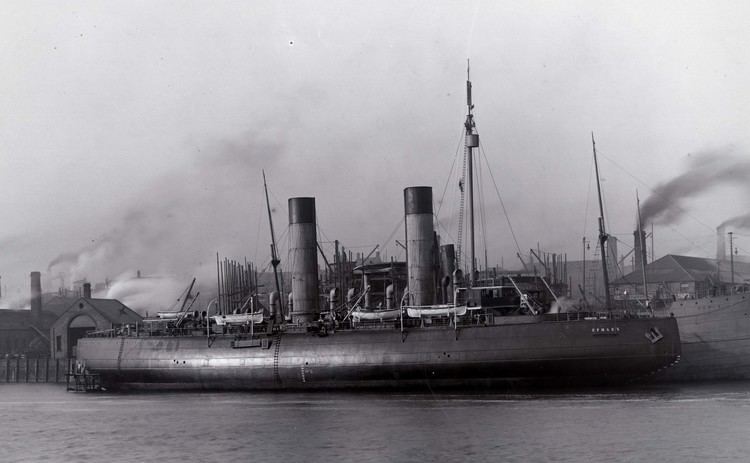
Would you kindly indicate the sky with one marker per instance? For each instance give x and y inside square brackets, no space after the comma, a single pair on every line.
[133,135]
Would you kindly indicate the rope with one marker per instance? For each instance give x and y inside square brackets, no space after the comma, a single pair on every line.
[502,203]
[588,197]
[482,212]
[447,181]
[651,190]
[395,229]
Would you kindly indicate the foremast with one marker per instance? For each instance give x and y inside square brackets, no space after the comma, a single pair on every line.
[274,254]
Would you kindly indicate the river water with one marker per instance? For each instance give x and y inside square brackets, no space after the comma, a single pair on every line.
[660,424]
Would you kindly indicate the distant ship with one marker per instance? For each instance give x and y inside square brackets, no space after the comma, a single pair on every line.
[713,314]
[715,338]
[486,334]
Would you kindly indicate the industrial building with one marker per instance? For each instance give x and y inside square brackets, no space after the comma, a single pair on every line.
[683,277]
[56,321]
[27,331]
[87,314]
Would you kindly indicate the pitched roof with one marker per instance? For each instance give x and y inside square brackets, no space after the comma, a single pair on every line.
[675,268]
[111,309]
[14,319]
[56,304]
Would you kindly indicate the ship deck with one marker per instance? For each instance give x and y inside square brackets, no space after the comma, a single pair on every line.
[474,319]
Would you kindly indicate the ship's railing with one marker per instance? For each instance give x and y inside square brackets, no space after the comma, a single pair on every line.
[121,330]
[472,318]
[145,329]
[110,333]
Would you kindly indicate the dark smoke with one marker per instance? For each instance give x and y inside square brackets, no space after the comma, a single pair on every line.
[741,221]
[705,171]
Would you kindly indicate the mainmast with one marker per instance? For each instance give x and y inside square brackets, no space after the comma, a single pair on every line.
[274,255]
[602,233]
[471,141]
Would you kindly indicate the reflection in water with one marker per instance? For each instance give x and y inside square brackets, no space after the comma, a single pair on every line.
[696,423]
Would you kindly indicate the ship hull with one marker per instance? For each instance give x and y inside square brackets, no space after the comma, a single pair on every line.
[552,354]
[715,336]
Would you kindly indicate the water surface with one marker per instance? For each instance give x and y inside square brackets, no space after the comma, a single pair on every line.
[664,424]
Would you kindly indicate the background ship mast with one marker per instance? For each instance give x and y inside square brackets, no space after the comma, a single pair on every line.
[643,261]
[602,232]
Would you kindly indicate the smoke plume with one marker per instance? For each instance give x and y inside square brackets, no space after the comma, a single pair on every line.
[705,171]
[563,305]
[741,221]
[175,227]
[147,295]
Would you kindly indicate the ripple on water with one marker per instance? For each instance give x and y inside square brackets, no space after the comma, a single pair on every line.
[697,423]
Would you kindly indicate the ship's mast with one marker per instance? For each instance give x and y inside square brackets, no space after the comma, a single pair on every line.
[471,141]
[642,241]
[602,231]
[274,256]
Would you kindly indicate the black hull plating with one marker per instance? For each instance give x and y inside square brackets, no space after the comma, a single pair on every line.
[560,353]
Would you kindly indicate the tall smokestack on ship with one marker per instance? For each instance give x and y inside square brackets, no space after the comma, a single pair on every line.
[36,297]
[87,290]
[639,250]
[304,258]
[721,243]
[420,258]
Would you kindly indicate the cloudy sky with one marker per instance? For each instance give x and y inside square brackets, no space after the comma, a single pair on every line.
[133,134]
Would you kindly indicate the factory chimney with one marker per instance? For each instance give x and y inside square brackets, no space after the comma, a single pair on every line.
[419,245]
[87,290]
[303,254]
[721,243]
[36,297]
[639,249]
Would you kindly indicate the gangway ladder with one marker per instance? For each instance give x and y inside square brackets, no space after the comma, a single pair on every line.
[276,351]
[461,187]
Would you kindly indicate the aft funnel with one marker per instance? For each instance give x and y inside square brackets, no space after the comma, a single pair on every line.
[303,256]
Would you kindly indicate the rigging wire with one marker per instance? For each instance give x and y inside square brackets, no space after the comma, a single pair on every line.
[675,230]
[280,241]
[396,228]
[444,228]
[502,203]
[257,233]
[482,210]
[588,197]
[322,233]
[448,180]
[606,211]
